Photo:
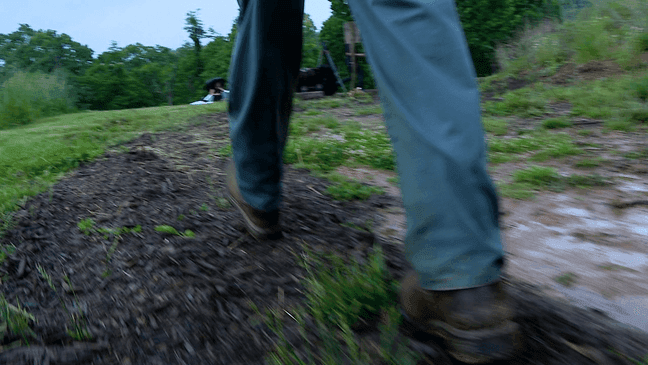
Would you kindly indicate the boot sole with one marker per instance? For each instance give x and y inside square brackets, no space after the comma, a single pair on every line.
[257,232]
[475,346]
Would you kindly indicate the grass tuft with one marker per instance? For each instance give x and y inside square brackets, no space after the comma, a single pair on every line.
[340,297]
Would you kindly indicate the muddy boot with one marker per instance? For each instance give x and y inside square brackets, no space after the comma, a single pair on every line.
[261,225]
[476,324]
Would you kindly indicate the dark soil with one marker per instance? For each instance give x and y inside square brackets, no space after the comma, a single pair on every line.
[156,298]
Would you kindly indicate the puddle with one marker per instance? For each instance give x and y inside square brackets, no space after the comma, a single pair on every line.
[574,211]
[632,187]
[630,310]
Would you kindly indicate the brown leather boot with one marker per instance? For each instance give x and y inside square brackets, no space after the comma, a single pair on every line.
[475,323]
[261,225]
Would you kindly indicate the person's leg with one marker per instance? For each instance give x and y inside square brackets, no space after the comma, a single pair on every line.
[428,89]
[265,67]
[430,97]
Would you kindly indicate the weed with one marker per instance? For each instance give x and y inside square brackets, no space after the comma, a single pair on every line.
[5,251]
[338,297]
[86,226]
[223,203]
[181,217]
[585,132]
[204,207]
[16,319]
[170,230]
[6,223]
[567,279]
[79,321]
[554,123]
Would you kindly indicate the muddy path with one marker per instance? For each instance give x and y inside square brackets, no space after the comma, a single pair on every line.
[151,297]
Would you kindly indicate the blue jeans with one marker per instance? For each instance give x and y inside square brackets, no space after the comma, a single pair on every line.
[429,93]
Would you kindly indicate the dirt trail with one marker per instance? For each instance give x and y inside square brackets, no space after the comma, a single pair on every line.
[155,298]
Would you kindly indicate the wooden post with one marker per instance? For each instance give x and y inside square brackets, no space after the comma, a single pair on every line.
[351,37]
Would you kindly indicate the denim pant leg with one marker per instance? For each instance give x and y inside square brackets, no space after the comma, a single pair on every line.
[265,66]
[428,88]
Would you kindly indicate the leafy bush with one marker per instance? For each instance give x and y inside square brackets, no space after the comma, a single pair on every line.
[25,97]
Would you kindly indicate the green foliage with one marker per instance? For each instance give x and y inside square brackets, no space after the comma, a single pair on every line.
[600,30]
[25,97]
[42,51]
[488,22]
[311,47]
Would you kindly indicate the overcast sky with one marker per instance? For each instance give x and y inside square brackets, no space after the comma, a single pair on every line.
[160,22]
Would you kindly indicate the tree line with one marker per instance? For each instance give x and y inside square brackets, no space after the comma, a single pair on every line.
[138,75]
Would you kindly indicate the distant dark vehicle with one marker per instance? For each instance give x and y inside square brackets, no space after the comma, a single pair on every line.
[317,79]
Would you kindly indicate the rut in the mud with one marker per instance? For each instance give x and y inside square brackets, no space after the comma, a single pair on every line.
[149,297]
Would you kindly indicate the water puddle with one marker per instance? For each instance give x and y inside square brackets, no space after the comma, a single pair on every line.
[630,310]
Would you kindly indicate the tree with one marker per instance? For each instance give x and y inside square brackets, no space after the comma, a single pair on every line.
[194,27]
[46,51]
[485,24]
[311,46]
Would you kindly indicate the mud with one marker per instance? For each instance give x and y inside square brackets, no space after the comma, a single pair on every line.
[156,298]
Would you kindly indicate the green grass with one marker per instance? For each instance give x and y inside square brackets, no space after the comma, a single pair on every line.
[351,190]
[542,144]
[526,182]
[369,110]
[15,320]
[496,126]
[555,123]
[589,163]
[35,156]
[637,155]
[340,296]
[524,102]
